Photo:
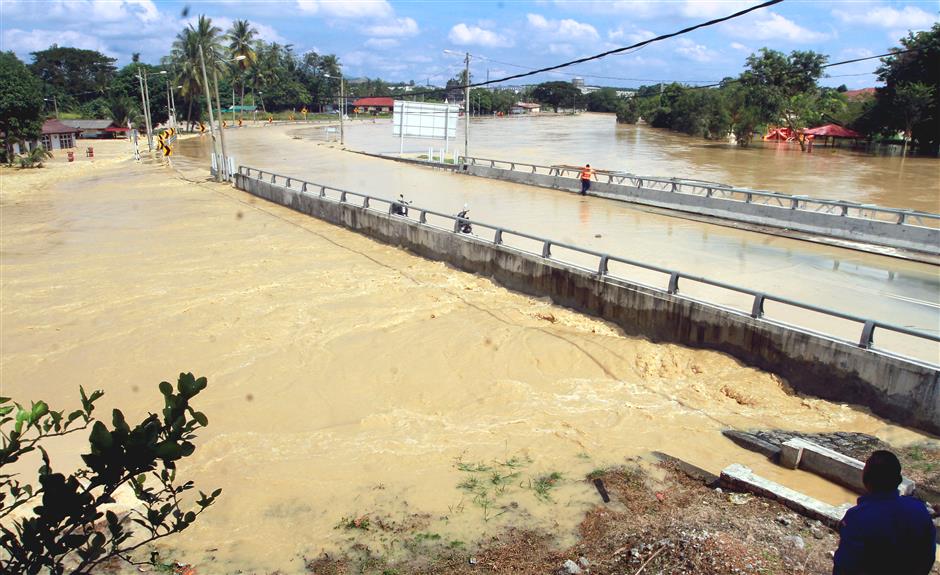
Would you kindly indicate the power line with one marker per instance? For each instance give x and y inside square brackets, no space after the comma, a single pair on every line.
[582,75]
[625,48]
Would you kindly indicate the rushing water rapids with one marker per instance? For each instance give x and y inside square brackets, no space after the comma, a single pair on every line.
[347,376]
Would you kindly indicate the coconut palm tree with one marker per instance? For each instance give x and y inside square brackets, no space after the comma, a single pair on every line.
[186,61]
[242,43]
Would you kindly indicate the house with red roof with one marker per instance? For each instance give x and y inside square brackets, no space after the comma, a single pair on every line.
[55,136]
[373,105]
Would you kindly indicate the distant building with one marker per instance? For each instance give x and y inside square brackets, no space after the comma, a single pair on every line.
[859,94]
[626,93]
[55,136]
[98,128]
[365,105]
[525,108]
[578,83]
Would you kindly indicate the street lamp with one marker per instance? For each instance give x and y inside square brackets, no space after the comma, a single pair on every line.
[342,107]
[55,104]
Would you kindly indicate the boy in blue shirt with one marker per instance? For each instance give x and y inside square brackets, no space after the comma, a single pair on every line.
[885,534]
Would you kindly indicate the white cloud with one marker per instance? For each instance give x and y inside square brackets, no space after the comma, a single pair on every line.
[98,11]
[773,26]
[632,36]
[347,9]
[265,32]
[400,27]
[693,51]
[24,42]
[561,49]
[566,29]
[650,9]
[711,8]
[381,42]
[740,47]
[909,17]
[464,35]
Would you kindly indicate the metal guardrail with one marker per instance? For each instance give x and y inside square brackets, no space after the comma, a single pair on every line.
[839,208]
[758,301]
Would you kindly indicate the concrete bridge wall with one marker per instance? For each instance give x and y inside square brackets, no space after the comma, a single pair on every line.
[873,232]
[907,392]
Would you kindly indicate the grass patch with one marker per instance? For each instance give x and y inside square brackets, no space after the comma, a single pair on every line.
[543,485]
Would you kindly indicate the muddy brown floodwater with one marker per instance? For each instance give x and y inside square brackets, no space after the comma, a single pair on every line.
[889,289]
[346,376]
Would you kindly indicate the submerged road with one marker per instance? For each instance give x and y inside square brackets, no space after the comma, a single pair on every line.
[879,287]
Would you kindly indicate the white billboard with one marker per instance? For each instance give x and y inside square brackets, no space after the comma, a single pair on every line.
[424,120]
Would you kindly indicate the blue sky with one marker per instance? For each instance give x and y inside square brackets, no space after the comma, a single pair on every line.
[406,40]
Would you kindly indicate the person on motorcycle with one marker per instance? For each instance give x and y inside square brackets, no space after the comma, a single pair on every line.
[400,208]
[463,223]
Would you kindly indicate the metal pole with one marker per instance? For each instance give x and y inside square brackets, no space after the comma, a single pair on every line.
[218,103]
[55,104]
[466,108]
[143,105]
[208,92]
[173,105]
[147,110]
[342,111]
[169,109]
[143,102]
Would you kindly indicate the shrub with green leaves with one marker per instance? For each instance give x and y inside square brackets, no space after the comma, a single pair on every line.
[69,529]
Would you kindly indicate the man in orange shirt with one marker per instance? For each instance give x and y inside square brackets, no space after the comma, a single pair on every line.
[586,173]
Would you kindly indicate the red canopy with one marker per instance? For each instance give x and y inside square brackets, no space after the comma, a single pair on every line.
[832,130]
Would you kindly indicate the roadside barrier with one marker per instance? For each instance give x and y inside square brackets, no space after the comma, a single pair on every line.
[867,223]
[672,279]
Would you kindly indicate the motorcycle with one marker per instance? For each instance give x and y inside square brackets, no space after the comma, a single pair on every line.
[400,208]
[463,223]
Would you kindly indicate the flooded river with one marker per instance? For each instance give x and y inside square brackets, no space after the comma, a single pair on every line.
[883,288]
[350,378]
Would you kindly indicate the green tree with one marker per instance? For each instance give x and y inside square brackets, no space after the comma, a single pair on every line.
[20,104]
[557,94]
[72,75]
[918,64]
[775,83]
[69,529]
[603,100]
[185,59]
[628,111]
[242,45]
[913,101]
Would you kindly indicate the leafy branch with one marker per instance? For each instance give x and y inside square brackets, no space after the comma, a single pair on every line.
[71,530]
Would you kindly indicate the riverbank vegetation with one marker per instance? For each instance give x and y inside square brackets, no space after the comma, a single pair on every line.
[773,90]
[783,90]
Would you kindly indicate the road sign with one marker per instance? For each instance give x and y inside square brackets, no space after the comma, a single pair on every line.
[304,110]
[202,128]
[424,120]
[239,122]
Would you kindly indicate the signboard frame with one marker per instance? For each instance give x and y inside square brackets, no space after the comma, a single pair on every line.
[424,120]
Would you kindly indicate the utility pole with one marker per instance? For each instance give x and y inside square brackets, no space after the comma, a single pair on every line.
[55,105]
[218,103]
[173,106]
[208,92]
[147,111]
[466,107]
[143,105]
[342,111]
[169,106]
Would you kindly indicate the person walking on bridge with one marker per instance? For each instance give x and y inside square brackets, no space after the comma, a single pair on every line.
[586,173]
